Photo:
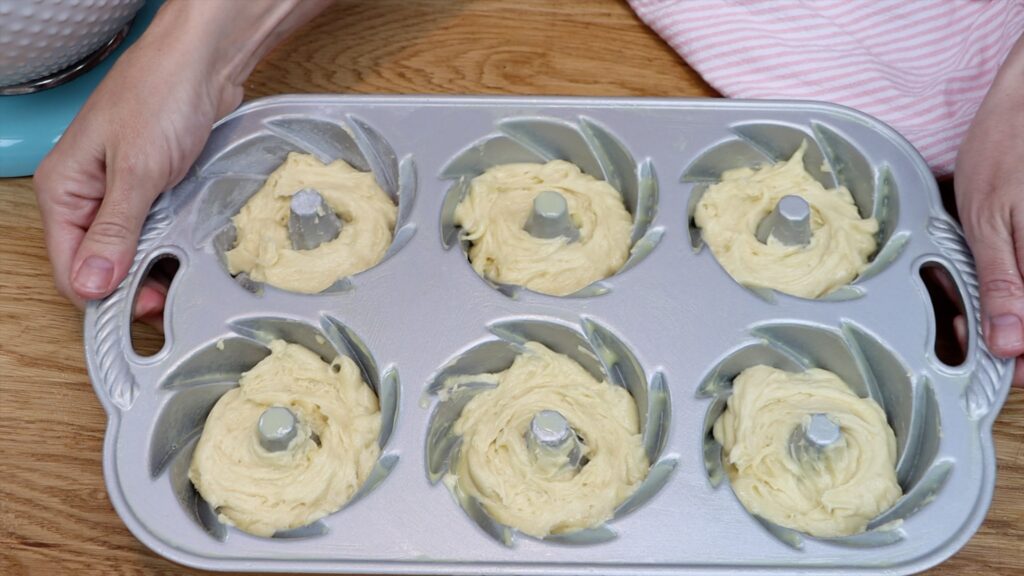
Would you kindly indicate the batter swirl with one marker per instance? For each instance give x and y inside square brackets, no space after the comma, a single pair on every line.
[263,492]
[518,489]
[729,212]
[833,493]
[264,250]
[498,205]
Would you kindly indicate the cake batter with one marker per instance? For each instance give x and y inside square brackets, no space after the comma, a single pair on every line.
[264,492]
[841,241]
[531,494]
[264,250]
[835,492]
[498,204]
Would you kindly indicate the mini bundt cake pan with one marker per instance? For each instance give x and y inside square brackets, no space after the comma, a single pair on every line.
[673,324]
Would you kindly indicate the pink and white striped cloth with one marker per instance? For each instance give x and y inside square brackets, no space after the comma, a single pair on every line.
[923,66]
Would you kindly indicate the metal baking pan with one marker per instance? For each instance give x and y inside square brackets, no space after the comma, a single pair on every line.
[672,327]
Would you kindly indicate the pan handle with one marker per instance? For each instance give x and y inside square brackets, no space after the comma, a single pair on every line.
[107,326]
[991,376]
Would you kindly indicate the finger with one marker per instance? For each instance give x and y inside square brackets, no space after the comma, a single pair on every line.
[960,330]
[155,322]
[947,309]
[1000,286]
[945,282]
[62,241]
[149,304]
[948,286]
[106,251]
[1018,373]
[67,203]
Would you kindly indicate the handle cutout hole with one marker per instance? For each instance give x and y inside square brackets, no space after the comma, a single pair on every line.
[948,312]
[147,330]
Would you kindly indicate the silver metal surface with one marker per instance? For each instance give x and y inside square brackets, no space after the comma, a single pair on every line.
[311,222]
[812,439]
[45,44]
[671,321]
[550,217]
[789,222]
[276,428]
[65,75]
[550,429]
[550,439]
[821,431]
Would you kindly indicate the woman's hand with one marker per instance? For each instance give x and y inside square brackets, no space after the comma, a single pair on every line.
[990,199]
[135,137]
[142,129]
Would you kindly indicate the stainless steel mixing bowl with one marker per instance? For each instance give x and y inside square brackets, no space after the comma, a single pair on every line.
[39,38]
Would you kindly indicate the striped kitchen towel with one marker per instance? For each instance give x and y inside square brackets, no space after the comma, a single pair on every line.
[923,66]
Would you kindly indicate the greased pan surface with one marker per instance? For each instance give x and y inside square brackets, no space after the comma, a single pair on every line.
[673,328]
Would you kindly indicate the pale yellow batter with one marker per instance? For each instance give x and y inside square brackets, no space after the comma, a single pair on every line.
[264,251]
[729,212]
[533,494]
[834,493]
[263,492]
[499,202]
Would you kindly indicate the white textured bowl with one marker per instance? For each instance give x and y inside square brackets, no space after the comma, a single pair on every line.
[40,37]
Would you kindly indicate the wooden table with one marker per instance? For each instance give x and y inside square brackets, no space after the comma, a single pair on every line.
[55,517]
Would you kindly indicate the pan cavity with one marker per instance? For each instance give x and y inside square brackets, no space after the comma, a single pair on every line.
[550,206]
[276,427]
[306,204]
[823,433]
[802,213]
[549,430]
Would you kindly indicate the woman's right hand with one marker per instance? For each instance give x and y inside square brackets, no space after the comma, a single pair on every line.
[135,137]
[142,129]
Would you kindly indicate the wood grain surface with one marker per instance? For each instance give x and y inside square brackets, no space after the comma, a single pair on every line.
[55,517]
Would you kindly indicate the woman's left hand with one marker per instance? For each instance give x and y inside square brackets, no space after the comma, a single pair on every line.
[990,199]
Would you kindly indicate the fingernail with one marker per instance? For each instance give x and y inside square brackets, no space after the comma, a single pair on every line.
[1007,332]
[94,275]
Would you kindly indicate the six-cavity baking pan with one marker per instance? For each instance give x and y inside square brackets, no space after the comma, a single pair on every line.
[672,327]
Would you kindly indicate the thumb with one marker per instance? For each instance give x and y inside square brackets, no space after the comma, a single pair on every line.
[106,252]
[1001,288]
